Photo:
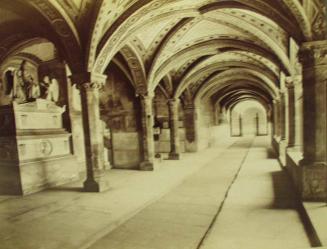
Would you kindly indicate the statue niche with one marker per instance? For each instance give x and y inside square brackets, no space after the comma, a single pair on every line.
[26,89]
[35,146]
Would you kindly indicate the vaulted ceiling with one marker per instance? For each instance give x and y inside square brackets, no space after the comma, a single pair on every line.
[195,48]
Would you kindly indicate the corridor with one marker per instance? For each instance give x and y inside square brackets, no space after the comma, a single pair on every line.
[240,199]
[233,195]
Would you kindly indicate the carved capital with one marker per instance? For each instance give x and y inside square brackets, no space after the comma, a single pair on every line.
[189,106]
[93,85]
[276,101]
[89,80]
[313,53]
[173,101]
[146,99]
[289,83]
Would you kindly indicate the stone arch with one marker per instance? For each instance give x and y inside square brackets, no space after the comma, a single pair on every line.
[65,34]
[211,48]
[116,32]
[238,74]
[273,13]
[207,73]
[136,67]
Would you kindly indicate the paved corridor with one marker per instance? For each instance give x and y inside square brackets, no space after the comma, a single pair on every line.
[240,199]
[260,211]
[230,196]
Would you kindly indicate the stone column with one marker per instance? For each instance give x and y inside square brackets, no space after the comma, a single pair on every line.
[298,112]
[93,137]
[283,128]
[276,125]
[313,56]
[191,129]
[276,110]
[291,112]
[147,132]
[282,114]
[173,105]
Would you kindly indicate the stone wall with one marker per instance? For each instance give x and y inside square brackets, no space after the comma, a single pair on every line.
[126,150]
[120,114]
[209,133]
[162,145]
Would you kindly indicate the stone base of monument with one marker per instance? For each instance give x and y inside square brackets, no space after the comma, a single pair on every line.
[35,149]
[27,178]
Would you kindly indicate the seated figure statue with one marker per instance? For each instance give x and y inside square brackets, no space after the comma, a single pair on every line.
[33,89]
[19,93]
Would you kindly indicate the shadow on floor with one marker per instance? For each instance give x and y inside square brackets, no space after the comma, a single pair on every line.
[284,194]
[271,153]
[286,197]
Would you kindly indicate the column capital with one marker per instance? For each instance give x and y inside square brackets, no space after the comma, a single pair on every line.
[189,106]
[289,83]
[89,80]
[276,100]
[313,53]
[173,101]
[145,96]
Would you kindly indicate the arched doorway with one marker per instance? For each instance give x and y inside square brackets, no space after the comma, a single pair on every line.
[249,118]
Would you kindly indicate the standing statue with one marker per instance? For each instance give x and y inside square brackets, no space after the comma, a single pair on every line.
[33,90]
[53,90]
[50,89]
[44,85]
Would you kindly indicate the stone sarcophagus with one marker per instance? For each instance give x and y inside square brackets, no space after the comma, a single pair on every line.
[35,149]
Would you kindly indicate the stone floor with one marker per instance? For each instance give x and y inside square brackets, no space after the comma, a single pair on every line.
[261,208]
[67,218]
[231,196]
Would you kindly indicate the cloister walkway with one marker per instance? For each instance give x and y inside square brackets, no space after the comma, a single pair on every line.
[240,199]
[232,196]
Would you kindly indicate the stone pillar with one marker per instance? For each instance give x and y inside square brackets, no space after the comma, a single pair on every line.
[173,105]
[276,110]
[297,80]
[191,129]
[276,125]
[93,132]
[147,132]
[291,112]
[283,128]
[313,56]
[282,113]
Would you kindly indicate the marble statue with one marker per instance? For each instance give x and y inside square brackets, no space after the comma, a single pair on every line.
[53,90]
[49,89]
[19,93]
[26,89]
[44,85]
[33,90]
